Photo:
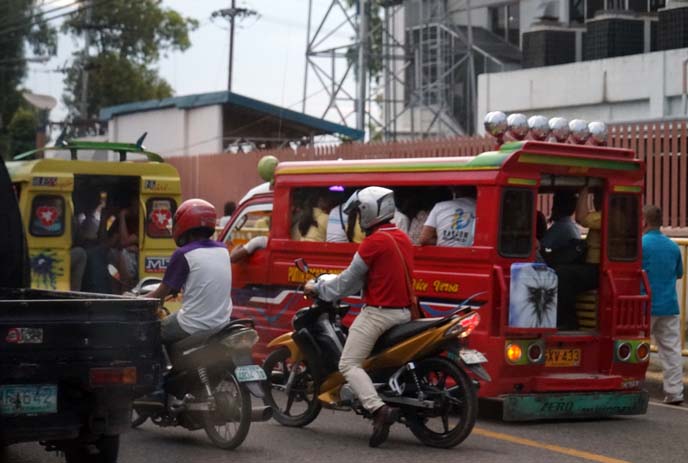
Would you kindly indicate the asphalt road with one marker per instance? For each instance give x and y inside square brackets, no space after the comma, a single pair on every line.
[338,437]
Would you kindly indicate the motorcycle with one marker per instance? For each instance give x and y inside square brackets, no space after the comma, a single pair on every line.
[208,382]
[422,367]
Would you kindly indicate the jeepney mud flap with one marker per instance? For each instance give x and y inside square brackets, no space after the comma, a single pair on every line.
[530,407]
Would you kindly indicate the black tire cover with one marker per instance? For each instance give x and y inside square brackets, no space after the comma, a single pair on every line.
[14,260]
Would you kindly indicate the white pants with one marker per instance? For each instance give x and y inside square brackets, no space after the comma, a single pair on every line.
[667,333]
[367,327]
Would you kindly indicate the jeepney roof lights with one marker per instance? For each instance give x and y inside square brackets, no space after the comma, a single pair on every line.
[598,133]
[495,123]
[579,131]
[560,129]
[539,127]
[514,352]
[518,125]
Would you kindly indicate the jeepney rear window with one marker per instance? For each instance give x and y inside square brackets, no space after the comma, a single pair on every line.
[159,213]
[516,224]
[623,235]
[47,216]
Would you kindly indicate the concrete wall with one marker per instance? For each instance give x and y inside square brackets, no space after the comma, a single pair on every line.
[172,131]
[636,87]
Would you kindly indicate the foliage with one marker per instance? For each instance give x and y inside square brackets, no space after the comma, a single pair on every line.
[127,39]
[19,30]
[22,130]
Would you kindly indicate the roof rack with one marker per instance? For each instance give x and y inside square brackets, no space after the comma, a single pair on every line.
[123,149]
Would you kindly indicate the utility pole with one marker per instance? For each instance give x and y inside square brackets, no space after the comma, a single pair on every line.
[362,63]
[83,106]
[232,13]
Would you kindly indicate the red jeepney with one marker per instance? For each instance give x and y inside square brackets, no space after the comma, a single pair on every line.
[537,372]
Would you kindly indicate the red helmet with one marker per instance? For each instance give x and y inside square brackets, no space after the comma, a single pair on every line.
[193,214]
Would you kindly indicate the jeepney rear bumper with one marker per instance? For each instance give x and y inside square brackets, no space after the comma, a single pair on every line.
[566,405]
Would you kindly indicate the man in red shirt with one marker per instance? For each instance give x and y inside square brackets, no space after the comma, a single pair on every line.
[380,268]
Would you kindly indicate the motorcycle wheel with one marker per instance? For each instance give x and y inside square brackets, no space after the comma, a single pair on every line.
[304,392]
[137,419]
[456,403]
[228,425]
[108,450]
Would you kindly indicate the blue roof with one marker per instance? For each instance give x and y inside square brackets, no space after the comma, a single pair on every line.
[321,126]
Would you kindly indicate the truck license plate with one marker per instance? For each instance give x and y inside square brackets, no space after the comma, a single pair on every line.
[562,357]
[250,373]
[28,399]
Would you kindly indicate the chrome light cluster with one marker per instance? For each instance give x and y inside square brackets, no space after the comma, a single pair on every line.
[241,340]
[518,126]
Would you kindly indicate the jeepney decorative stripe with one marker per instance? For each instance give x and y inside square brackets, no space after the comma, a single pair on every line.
[627,189]
[529,158]
[521,181]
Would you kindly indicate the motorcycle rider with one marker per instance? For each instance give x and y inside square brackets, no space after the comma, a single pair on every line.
[379,268]
[201,267]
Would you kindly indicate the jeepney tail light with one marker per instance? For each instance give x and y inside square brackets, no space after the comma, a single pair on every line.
[623,351]
[514,353]
[643,351]
[104,376]
[535,353]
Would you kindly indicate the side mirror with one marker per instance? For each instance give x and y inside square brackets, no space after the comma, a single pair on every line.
[301,264]
[241,222]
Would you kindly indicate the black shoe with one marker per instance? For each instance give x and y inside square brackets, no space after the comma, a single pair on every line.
[383,418]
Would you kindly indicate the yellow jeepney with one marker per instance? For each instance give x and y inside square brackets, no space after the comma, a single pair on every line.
[52,193]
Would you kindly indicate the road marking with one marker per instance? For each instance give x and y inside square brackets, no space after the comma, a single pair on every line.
[671,407]
[541,445]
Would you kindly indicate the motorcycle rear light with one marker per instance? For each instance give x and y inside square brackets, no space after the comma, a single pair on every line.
[623,351]
[643,351]
[105,376]
[535,353]
[464,327]
[514,353]
[244,339]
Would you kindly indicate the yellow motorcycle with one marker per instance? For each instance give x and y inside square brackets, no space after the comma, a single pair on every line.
[422,367]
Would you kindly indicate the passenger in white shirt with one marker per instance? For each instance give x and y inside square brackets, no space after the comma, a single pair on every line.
[451,223]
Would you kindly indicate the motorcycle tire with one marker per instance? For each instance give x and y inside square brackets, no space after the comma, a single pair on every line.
[137,419]
[443,381]
[277,371]
[107,451]
[233,403]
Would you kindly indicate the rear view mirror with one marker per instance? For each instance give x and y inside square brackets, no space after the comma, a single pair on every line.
[241,222]
[301,264]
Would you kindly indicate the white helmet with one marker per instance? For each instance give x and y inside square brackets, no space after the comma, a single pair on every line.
[375,204]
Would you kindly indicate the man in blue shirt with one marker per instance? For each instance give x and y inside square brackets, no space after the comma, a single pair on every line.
[662,262]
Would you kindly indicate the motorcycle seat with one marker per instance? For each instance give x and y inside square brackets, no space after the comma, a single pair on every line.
[406,330]
[202,337]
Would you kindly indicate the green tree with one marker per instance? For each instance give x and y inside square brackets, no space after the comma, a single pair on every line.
[22,130]
[127,40]
[21,30]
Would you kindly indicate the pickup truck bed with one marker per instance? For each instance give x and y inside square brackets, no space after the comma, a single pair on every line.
[71,363]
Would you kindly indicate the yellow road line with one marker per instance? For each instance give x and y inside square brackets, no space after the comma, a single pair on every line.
[541,445]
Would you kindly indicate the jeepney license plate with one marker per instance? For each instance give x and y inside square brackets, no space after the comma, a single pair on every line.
[562,357]
[28,399]
[471,357]
[250,373]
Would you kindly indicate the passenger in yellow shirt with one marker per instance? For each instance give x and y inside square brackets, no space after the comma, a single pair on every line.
[592,220]
[312,223]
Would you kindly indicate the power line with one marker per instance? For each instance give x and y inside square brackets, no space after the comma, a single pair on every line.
[20,21]
[232,13]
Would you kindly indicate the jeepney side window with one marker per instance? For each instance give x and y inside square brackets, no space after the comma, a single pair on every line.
[623,235]
[251,222]
[159,213]
[516,224]
[47,216]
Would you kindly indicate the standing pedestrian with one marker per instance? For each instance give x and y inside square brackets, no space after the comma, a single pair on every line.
[662,262]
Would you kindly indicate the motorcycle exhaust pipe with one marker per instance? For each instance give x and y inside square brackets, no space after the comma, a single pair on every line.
[261,413]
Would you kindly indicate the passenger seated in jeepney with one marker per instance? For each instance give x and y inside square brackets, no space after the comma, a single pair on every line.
[339,227]
[313,221]
[452,222]
[575,278]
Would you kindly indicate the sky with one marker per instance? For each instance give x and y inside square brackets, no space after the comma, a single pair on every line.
[269,55]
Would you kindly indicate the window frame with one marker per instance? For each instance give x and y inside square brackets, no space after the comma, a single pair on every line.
[608,226]
[63,226]
[502,196]
[261,206]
